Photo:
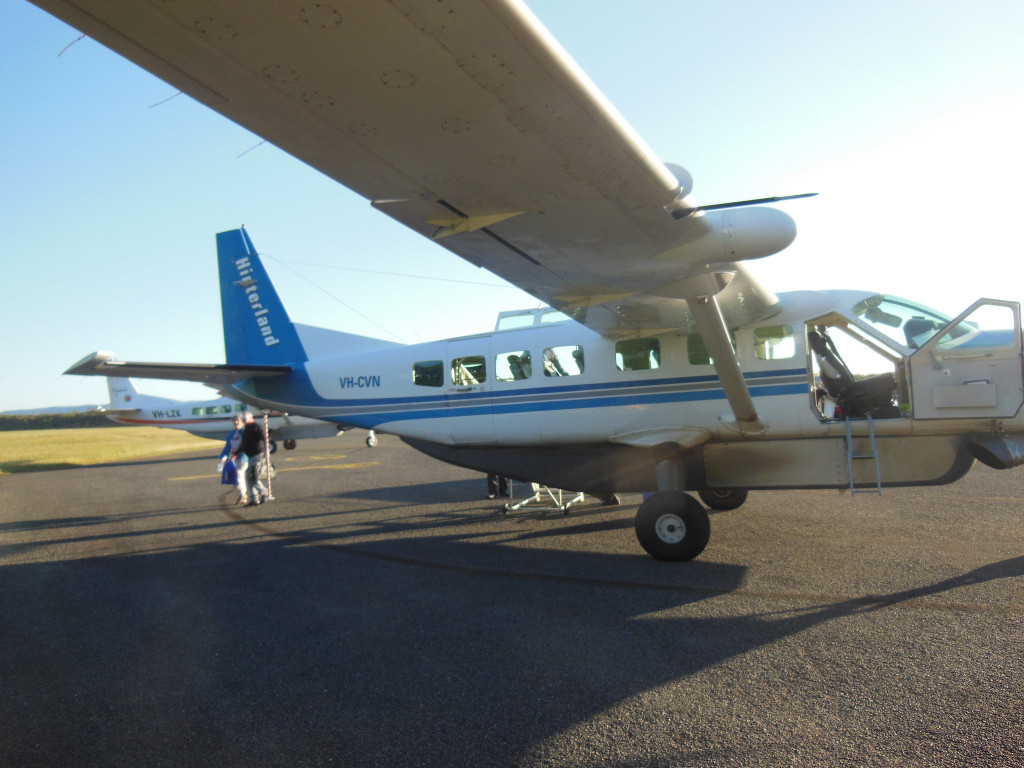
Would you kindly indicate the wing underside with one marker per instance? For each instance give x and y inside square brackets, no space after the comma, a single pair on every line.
[465,121]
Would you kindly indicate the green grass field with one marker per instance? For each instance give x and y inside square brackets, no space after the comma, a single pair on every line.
[35,450]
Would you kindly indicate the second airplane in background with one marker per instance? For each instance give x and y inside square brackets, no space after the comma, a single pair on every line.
[203,418]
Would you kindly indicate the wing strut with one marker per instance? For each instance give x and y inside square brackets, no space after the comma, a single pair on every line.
[715,334]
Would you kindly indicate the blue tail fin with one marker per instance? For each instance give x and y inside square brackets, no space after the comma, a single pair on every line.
[257,329]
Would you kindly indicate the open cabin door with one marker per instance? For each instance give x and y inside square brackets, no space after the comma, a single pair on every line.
[972,368]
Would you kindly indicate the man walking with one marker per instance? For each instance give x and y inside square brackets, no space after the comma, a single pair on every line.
[253,445]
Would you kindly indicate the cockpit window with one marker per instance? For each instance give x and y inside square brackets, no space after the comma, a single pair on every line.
[903,321]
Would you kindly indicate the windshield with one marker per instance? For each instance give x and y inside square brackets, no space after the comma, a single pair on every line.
[903,321]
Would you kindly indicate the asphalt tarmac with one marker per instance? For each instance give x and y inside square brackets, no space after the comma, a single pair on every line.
[381,612]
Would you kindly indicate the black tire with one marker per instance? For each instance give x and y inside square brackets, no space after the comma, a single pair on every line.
[722,498]
[273,446]
[289,445]
[672,525]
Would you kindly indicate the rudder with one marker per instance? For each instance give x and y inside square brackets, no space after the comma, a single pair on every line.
[257,329]
[123,394]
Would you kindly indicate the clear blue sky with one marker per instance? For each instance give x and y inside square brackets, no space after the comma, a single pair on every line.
[906,116]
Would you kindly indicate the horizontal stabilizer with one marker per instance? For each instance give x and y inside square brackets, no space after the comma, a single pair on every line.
[103,364]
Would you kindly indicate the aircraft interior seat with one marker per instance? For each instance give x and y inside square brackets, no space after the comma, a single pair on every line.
[854,398]
[552,365]
[916,326]
[515,366]
[834,374]
[577,355]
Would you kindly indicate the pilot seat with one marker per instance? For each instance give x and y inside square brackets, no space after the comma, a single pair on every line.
[855,398]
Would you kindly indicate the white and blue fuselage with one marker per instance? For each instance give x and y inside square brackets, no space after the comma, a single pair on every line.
[558,403]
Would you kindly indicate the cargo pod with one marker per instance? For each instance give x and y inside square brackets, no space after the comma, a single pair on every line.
[972,368]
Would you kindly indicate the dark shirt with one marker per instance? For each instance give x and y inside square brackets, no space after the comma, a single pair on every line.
[252,440]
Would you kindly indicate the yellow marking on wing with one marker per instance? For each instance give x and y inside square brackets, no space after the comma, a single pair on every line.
[458,224]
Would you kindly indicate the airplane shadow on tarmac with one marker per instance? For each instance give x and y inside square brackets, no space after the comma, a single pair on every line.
[421,493]
[305,649]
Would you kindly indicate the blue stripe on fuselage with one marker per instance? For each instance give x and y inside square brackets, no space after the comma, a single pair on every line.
[577,403]
[496,394]
[296,389]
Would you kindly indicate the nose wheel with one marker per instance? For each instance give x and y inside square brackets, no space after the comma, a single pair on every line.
[672,525]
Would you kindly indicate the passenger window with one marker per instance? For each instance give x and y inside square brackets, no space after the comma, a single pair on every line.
[469,370]
[225,409]
[563,361]
[513,366]
[510,322]
[697,353]
[637,354]
[239,407]
[774,343]
[429,373]
[553,316]
[197,411]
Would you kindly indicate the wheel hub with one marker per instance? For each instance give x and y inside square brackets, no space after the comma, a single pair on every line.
[670,528]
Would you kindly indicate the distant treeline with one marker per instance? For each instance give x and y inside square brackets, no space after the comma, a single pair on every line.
[54,421]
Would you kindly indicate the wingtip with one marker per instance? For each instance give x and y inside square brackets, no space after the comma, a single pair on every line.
[89,364]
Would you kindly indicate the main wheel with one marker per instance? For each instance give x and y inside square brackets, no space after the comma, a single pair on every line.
[289,445]
[672,525]
[722,498]
[371,439]
[273,446]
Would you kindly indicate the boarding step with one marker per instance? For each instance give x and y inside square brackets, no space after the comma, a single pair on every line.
[854,454]
[542,498]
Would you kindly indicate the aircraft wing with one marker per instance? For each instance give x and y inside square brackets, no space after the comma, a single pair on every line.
[466,121]
[103,364]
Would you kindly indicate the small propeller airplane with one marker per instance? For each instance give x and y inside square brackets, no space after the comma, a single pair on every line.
[661,365]
[212,419]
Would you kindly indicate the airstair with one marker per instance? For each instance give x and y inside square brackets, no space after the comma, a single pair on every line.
[542,498]
[857,451]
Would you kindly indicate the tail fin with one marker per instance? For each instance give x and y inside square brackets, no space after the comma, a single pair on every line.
[123,395]
[125,398]
[257,329]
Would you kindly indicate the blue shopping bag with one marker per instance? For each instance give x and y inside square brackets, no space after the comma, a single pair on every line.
[229,475]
